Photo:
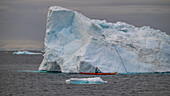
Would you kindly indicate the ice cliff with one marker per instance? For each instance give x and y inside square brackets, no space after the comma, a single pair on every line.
[75,43]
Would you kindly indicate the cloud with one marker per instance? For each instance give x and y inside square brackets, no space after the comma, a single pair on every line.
[2,44]
[20,45]
[125,9]
[4,8]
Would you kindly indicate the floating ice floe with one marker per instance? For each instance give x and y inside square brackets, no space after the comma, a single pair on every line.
[26,52]
[95,80]
[75,43]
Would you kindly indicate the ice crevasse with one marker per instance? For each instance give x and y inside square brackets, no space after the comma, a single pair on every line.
[75,43]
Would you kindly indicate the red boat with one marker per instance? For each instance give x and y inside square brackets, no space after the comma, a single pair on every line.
[98,73]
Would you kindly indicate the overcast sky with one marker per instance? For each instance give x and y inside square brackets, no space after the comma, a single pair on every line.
[23,22]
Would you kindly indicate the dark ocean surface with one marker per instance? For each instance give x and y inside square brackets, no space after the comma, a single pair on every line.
[14,81]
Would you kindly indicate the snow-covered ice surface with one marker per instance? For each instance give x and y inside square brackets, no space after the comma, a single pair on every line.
[95,80]
[26,52]
[74,43]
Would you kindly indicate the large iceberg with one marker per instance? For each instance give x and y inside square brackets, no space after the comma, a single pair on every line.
[75,43]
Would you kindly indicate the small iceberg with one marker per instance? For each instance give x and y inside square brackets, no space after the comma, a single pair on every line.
[95,80]
[26,52]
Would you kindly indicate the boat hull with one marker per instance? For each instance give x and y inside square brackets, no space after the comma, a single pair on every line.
[99,73]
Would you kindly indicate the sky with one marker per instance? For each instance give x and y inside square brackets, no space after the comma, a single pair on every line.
[23,22]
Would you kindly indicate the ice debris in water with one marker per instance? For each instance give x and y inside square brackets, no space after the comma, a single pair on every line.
[74,44]
[26,52]
[95,80]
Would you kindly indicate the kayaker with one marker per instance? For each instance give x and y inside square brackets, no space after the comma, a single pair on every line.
[97,70]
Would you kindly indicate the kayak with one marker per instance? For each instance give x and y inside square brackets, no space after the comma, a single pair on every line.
[98,73]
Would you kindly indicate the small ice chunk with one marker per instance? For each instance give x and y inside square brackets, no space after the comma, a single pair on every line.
[95,80]
[26,52]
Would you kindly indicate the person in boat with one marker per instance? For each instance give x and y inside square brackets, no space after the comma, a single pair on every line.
[97,70]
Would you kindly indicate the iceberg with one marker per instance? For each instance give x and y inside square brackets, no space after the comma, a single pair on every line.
[75,43]
[26,52]
[95,80]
